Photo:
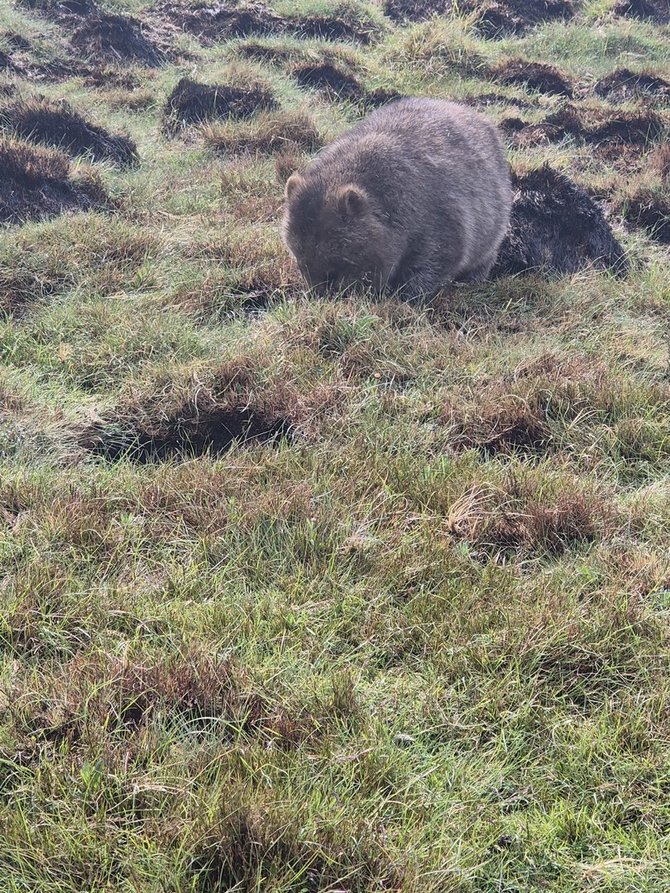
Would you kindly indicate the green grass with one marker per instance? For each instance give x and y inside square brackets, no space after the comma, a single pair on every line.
[418,643]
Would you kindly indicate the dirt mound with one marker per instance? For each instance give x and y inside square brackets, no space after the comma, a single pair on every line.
[180,421]
[650,210]
[209,22]
[335,83]
[415,10]
[110,37]
[330,80]
[623,85]
[191,102]
[56,124]
[334,27]
[59,8]
[484,100]
[609,132]
[557,228]
[535,76]
[656,10]
[37,183]
[501,18]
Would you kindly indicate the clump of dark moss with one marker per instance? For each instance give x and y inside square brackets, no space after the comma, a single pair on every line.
[657,11]
[192,102]
[650,209]
[535,76]
[57,124]
[191,418]
[269,132]
[623,85]
[37,183]
[556,227]
[212,22]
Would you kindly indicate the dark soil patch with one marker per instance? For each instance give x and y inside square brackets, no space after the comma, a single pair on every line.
[106,78]
[209,23]
[623,85]
[330,80]
[335,84]
[58,125]
[37,183]
[484,100]
[606,131]
[192,102]
[110,37]
[59,8]
[650,210]
[185,436]
[557,228]
[657,11]
[5,61]
[415,10]
[502,18]
[535,76]
[200,420]
[17,41]
[335,27]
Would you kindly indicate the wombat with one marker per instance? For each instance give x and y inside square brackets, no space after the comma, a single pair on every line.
[415,196]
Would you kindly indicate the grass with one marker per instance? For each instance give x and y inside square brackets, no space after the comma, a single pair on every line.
[341,594]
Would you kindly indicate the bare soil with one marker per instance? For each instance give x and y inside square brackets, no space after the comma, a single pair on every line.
[57,124]
[192,102]
[535,76]
[557,228]
[37,183]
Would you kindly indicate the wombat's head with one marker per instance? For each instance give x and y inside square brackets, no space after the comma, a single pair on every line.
[336,234]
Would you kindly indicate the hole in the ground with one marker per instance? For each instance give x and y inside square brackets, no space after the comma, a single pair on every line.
[557,228]
[56,124]
[186,419]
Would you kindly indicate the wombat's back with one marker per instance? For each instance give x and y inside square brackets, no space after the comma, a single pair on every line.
[427,197]
[432,164]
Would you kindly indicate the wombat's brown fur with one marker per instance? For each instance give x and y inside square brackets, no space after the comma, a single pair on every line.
[415,196]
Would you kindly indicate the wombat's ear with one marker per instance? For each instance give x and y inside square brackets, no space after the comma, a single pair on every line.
[351,201]
[294,182]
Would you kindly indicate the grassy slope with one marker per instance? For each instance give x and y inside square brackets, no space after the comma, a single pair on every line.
[391,653]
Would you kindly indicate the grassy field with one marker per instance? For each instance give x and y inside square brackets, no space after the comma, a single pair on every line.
[339,594]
